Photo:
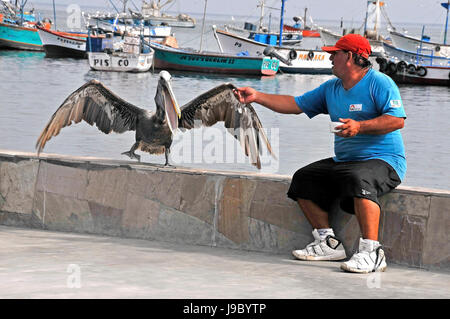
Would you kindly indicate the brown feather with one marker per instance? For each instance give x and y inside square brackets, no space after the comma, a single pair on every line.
[95,104]
[220,105]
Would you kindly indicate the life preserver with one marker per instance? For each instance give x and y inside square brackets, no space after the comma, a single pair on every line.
[411,69]
[421,71]
[292,54]
[401,66]
[310,55]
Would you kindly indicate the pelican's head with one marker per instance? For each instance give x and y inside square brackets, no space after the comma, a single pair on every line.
[165,99]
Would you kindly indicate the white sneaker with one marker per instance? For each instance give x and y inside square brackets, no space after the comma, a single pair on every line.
[369,258]
[329,248]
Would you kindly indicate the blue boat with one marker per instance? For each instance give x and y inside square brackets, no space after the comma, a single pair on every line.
[18,31]
[169,58]
[19,37]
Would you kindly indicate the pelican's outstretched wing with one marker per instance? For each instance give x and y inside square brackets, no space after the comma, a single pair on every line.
[220,105]
[95,104]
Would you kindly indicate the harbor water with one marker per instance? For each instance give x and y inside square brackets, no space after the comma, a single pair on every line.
[32,87]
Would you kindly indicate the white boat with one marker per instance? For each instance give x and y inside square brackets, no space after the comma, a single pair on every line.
[415,57]
[403,73]
[62,44]
[409,43]
[120,61]
[129,56]
[306,61]
[151,12]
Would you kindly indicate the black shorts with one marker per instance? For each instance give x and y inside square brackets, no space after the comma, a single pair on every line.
[326,182]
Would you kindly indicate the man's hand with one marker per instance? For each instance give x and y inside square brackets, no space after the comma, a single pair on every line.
[349,128]
[245,94]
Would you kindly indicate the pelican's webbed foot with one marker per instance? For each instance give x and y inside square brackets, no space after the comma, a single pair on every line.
[132,155]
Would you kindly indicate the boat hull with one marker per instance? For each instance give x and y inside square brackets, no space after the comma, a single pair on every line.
[120,62]
[212,63]
[305,32]
[409,43]
[414,57]
[21,38]
[307,61]
[62,45]
[421,75]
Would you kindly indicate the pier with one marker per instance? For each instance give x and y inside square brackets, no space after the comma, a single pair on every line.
[218,209]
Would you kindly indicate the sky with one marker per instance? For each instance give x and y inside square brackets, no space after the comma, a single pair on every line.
[399,11]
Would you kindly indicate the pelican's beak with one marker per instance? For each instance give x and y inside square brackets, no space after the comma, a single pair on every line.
[173,112]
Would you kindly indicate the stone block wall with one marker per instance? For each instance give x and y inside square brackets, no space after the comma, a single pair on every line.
[236,210]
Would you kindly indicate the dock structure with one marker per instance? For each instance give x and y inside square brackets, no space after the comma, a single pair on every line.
[238,210]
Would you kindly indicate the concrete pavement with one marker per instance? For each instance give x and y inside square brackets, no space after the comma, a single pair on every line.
[47,264]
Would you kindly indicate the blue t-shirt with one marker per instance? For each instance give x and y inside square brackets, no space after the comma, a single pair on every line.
[374,95]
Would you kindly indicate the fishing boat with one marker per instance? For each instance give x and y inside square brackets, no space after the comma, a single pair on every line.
[17,28]
[122,24]
[306,31]
[58,44]
[264,34]
[300,60]
[419,67]
[131,55]
[419,57]
[409,43]
[211,62]
[149,14]
[169,58]
[305,61]
[20,37]
[410,73]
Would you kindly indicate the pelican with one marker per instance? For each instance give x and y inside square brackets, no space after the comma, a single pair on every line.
[96,104]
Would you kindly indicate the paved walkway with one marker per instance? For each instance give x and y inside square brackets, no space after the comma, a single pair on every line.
[46,264]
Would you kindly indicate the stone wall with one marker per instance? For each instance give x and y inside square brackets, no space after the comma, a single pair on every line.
[226,209]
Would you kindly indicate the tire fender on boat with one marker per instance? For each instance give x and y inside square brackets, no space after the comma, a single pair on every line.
[382,63]
[421,71]
[292,54]
[391,68]
[401,66]
[411,69]
[310,55]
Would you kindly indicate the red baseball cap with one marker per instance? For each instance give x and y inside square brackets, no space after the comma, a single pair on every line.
[355,43]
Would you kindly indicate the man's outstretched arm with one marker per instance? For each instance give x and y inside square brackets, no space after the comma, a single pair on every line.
[277,103]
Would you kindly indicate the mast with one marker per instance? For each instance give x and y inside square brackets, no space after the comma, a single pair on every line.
[446,5]
[367,14]
[262,15]
[304,19]
[280,42]
[203,26]
[54,15]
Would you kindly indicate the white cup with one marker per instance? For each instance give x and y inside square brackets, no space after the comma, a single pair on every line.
[333,126]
